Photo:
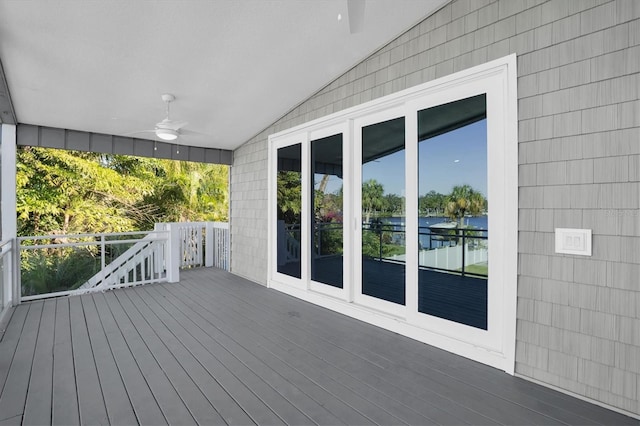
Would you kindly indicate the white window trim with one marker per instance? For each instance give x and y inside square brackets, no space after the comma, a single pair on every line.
[499,349]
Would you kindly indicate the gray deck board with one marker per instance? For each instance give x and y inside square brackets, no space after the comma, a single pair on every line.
[116,399]
[280,348]
[443,393]
[236,400]
[167,397]
[142,399]
[244,386]
[433,409]
[259,346]
[10,341]
[380,352]
[65,409]
[159,344]
[12,403]
[214,348]
[37,409]
[217,349]
[90,400]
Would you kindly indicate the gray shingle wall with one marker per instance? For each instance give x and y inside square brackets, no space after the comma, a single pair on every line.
[579,167]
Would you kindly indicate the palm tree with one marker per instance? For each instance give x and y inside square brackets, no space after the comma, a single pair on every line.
[463,200]
[372,197]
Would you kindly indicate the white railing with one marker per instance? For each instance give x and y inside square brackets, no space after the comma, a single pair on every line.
[288,242]
[50,257]
[142,263]
[199,243]
[157,256]
[220,246]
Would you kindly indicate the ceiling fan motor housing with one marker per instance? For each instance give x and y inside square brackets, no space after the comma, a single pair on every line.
[166,134]
[168,97]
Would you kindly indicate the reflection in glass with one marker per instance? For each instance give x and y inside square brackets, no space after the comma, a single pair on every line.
[453,222]
[383,208]
[289,207]
[326,219]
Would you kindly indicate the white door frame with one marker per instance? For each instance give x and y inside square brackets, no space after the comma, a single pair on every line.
[495,347]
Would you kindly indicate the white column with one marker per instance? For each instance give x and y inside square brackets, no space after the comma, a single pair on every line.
[209,240]
[173,253]
[8,205]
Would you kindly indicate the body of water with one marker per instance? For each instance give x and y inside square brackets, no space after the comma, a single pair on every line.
[426,240]
[479,222]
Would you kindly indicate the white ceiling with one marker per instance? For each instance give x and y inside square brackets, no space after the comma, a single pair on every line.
[235,66]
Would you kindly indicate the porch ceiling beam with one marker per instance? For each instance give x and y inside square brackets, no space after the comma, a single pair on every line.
[7,113]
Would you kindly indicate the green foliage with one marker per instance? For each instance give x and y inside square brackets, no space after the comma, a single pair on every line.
[432,204]
[68,192]
[393,204]
[289,196]
[328,238]
[186,191]
[51,270]
[377,244]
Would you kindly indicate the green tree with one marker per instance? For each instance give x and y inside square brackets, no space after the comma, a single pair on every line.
[432,203]
[66,192]
[372,198]
[289,196]
[393,204]
[464,200]
[186,191]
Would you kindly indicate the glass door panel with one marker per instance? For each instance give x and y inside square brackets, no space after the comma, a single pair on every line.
[289,207]
[327,261]
[383,208]
[452,208]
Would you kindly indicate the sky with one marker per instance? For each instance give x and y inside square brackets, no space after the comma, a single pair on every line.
[454,158]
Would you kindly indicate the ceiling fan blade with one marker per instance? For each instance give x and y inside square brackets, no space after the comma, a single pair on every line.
[171,124]
[177,125]
[138,132]
[355,10]
[192,133]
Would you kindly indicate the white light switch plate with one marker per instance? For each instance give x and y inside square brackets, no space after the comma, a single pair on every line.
[573,241]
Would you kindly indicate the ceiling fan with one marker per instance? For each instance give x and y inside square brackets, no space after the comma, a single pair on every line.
[167,129]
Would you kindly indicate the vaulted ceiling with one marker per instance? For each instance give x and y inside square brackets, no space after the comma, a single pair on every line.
[234,66]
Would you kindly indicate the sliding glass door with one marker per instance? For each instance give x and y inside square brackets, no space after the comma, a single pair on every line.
[382,212]
[453,234]
[289,210]
[327,250]
[382,206]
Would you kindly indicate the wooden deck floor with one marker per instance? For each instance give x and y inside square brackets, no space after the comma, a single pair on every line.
[217,349]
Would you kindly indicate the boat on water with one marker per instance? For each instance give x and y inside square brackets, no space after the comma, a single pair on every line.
[443,226]
[442,230]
